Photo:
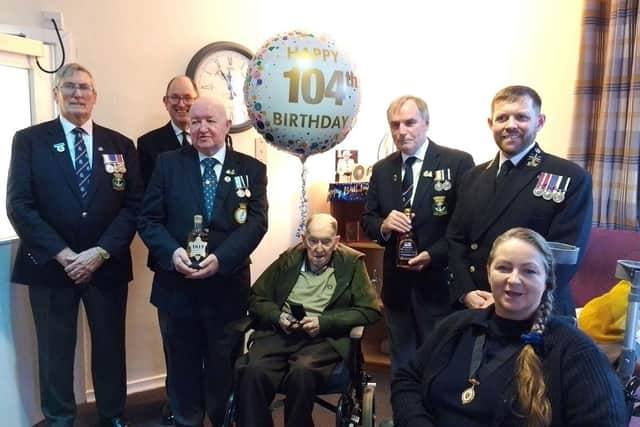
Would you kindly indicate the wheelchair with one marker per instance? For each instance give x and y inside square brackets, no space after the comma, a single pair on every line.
[356,405]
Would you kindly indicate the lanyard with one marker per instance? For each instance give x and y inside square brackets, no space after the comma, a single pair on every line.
[500,359]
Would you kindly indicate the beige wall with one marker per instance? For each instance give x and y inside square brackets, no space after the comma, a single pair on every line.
[454,54]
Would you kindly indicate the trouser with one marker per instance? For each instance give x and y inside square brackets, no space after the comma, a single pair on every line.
[55,313]
[295,365]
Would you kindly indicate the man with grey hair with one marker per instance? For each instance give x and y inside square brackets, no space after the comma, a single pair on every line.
[423,177]
[73,193]
[195,302]
[330,281]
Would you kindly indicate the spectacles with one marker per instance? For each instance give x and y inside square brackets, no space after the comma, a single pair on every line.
[69,88]
[312,242]
[175,99]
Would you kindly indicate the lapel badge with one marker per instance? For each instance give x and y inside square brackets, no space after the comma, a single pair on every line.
[60,147]
[240,215]
[100,149]
[428,174]
[395,177]
[439,207]
[534,160]
[230,172]
[227,178]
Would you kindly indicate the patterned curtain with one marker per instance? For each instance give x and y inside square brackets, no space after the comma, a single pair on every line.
[606,132]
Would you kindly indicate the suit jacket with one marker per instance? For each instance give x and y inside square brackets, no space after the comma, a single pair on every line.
[46,210]
[484,215]
[429,225]
[151,144]
[173,197]
[353,303]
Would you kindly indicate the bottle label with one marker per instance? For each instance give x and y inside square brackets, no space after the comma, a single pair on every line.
[407,249]
[197,249]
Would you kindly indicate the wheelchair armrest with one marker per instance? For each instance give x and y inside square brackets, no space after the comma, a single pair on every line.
[356,332]
[241,325]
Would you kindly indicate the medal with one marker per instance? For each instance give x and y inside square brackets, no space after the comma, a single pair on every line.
[118,182]
[548,191]
[559,196]
[537,190]
[247,192]
[556,188]
[240,192]
[438,178]
[446,185]
[109,168]
[469,393]
[240,214]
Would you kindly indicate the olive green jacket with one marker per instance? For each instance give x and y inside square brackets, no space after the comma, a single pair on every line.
[353,303]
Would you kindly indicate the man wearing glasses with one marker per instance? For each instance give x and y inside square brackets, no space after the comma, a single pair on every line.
[180,95]
[73,193]
[304,305]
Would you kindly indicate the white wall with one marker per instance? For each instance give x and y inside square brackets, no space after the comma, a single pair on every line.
[454,54]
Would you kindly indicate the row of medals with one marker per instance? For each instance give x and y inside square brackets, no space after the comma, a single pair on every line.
[440,182]
[242,186]
[549,187]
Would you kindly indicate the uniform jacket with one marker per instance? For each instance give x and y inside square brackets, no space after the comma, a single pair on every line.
[46,209]
[483,215]
[353,303]
[173,197]
[429,225]
[580,383]
[151,144]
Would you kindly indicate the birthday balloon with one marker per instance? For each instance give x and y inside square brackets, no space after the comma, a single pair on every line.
[302,93]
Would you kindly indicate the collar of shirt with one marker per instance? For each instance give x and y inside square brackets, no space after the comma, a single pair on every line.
[68,128]
[306,267]
[219,156]
[419,154]
[517,158]
[179,132]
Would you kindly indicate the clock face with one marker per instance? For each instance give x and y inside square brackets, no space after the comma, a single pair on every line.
[219,71]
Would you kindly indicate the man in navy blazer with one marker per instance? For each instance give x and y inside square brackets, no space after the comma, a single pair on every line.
[414,297]
[73,192]
[195,304]
[540,191]
[180,94]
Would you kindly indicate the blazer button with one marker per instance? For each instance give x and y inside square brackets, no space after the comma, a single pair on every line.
[474,246]
[84,214]
[472,269]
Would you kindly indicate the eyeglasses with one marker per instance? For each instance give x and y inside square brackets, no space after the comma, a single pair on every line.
[175,99]
[69,88]
[312,242]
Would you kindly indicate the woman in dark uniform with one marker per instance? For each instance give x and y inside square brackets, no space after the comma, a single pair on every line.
[511,364]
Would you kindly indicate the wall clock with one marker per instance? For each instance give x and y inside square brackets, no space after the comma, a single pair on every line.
[219,70]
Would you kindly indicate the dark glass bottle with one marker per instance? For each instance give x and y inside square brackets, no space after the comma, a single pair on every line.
[197,242]
[407,247]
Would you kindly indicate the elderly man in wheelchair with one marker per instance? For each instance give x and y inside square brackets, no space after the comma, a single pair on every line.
[303,308]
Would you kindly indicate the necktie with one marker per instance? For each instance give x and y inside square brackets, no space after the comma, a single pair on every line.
[184,142]
[407,182]
[209,185]
[83,170]
[501,179]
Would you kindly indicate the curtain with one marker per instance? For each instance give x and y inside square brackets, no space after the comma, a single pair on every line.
[606,125]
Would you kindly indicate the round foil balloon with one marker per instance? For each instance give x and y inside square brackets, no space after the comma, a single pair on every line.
[302,93]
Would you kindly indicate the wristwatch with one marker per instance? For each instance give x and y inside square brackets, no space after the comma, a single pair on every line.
[103,254]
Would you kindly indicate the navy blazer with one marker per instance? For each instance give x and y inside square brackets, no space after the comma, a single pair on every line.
[173,197]
[46,210]
[151,144]
[484,215]
[429,225]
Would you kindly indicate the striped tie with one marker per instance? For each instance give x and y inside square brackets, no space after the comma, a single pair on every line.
[407,182]
[209,185]
[83,169]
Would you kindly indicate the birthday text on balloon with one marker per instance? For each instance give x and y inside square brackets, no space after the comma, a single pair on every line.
[313,89]
[316,53]
[316,121]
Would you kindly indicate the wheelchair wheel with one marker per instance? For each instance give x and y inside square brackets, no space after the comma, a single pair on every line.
[369,406]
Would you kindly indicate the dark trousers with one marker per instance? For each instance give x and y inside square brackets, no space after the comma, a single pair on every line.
[200,357]
[408,326]
[55,313]
[295,365]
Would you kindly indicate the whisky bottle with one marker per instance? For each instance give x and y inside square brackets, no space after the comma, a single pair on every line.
[407,247]
[197,242]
